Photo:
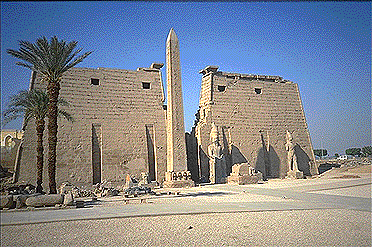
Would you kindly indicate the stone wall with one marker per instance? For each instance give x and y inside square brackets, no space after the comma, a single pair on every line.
[118,129]
[253,113]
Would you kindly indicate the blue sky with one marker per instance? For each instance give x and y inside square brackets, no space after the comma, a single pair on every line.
[325,47]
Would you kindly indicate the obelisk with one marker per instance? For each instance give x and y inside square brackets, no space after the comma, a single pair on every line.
[177,174]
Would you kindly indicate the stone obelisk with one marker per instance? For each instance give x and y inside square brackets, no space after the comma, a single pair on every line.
[177,174]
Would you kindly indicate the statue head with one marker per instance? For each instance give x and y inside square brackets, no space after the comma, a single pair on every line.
[214,133]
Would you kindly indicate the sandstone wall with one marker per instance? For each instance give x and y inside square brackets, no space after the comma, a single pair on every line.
[118,128]
[253,114]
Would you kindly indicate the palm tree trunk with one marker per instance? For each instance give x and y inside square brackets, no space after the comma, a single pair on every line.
[53,93]
[40,126]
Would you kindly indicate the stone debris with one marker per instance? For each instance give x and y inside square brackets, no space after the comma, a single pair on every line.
[20,200]
[244,174]
[18,193]
[105,189]
[69,199]
[44,200]
[6,201]
[144,179]
[23,189]
[137,191]
[77,192]
[79,204]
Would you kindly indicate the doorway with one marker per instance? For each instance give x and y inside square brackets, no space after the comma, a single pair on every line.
[150,151]
[96,152]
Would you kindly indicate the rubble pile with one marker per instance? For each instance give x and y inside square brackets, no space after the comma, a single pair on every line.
[77,192]
[105,189]
[137,191]
[16,195]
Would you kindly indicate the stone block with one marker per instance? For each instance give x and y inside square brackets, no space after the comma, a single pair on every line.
[243,174]
[65,188]
[240,180]
[45,200]
[20,200]
[178,184]
[6,201]
[295,174]
[68,199]
[80,204]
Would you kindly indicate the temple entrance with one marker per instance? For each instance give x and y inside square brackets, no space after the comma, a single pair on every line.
[150,152]
[96,152]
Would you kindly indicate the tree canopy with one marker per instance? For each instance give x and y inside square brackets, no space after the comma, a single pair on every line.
[366,151]
[353,151]
[50,60]
[320,152]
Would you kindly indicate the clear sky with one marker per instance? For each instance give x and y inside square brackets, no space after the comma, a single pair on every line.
[325,47]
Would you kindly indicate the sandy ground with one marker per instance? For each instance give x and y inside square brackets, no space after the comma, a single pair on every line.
[275,227]
[278,228]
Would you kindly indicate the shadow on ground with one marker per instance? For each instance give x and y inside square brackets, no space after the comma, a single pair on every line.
[205,194]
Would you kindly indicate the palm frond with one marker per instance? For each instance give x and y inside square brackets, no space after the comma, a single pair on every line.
[9,118]
[63,102]
[66,115]
[50,59]
[29,104]
[77,60]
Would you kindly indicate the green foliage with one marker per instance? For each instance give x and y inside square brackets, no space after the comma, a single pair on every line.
[51,60]
[320,152]
[31,104]
[353,151]
[27,104]
[337,155]
[366,151]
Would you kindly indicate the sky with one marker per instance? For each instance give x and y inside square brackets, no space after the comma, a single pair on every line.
[324,47]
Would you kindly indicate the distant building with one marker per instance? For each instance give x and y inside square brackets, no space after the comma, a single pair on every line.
[8,135]
[10,140]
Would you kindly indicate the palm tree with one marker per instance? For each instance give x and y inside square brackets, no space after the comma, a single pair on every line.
[50,60]
[33,104]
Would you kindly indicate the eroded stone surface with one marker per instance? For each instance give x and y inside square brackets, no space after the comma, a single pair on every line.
[176,146]
[254,112]
[176,143]
[6,201]
[123,127]
[244,174]
[45,200]
[119,125]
